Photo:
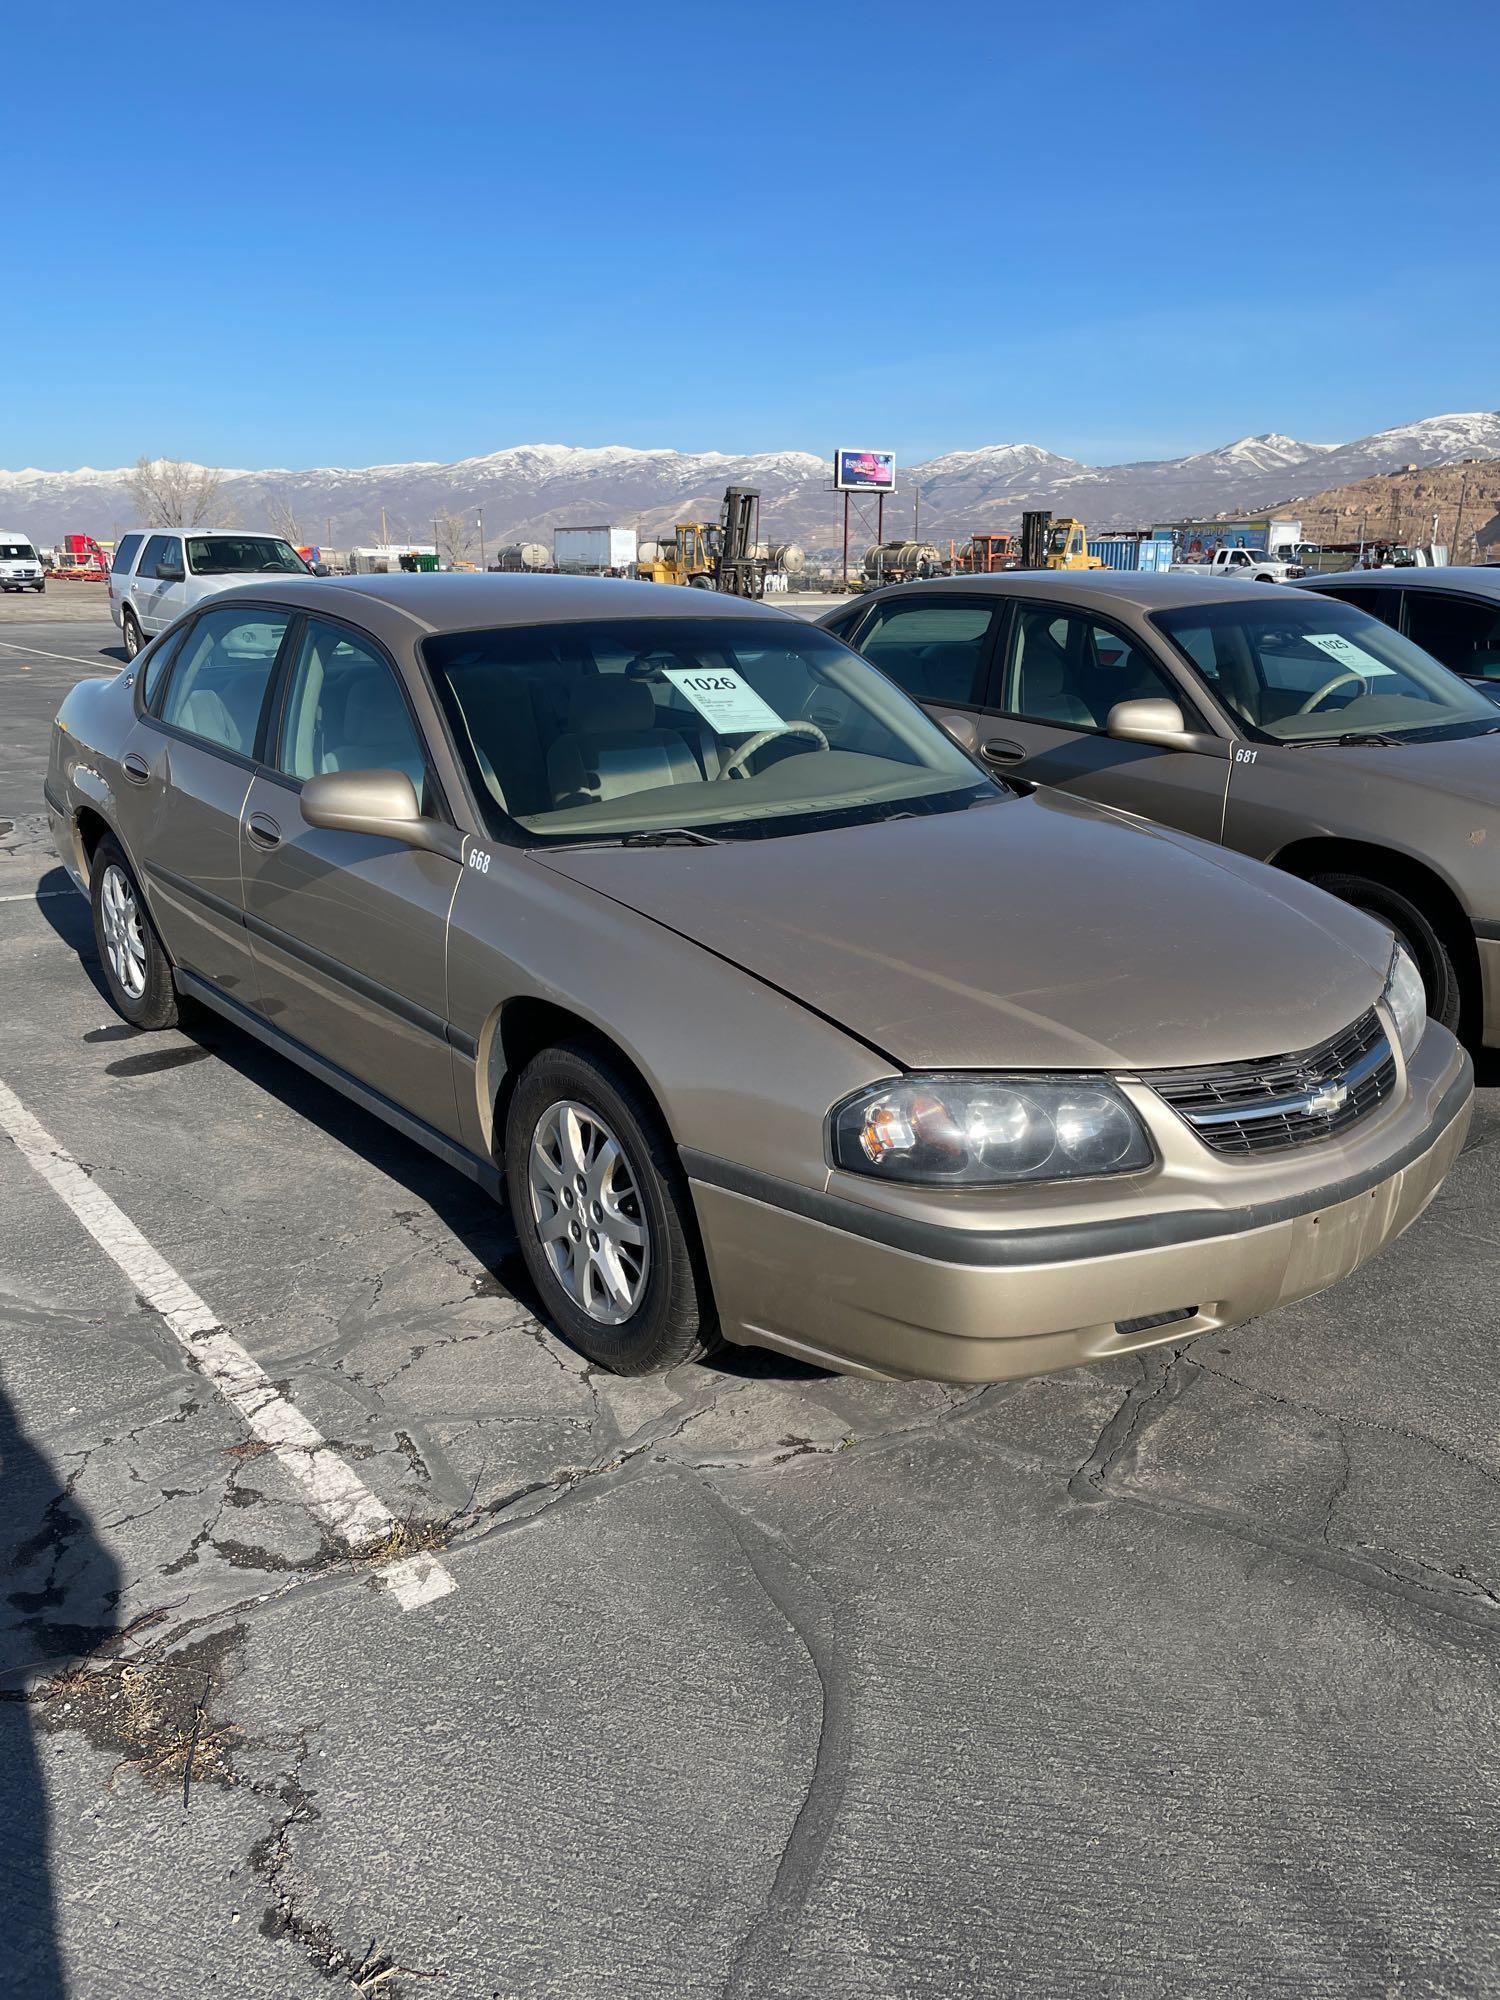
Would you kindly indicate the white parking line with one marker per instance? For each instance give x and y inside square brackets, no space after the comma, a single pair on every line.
[39,896]
[98,661]
[338,1497]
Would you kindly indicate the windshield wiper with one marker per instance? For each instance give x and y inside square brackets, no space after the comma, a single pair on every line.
[668,836]
[1376,736]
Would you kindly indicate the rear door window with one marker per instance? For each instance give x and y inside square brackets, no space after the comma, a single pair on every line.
[155,671]
[936,651]
[220,677]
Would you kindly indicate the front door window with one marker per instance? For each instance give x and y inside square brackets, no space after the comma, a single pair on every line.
[1067,668]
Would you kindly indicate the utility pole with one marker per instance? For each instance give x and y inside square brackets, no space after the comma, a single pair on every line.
[384,534]
[916,512]
[481,538]
[1453,555]
[435,549]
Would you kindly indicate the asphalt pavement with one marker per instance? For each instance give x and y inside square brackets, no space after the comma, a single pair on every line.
[1175,1675]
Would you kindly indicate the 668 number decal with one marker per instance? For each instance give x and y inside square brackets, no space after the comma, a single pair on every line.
[479,860]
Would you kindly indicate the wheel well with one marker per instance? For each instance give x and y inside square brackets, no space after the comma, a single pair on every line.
[92,828]
[1418,883]
[527,1026]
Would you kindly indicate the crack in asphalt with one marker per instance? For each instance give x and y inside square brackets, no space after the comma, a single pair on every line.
[1144,1404]
[1354,1421]
[797,1597]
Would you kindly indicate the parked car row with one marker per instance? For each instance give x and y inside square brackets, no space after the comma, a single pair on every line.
[1292,727]
[780,1013]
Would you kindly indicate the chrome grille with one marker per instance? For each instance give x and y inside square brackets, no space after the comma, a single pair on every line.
[1259,1107]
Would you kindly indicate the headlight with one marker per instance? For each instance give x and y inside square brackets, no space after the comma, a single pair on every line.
[1406,997]
[979,1130]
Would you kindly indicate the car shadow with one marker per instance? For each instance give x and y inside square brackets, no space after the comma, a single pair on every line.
[481,1223]
[62,1592]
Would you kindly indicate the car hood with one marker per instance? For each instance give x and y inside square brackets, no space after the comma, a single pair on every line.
[1037,932]
[1465,767]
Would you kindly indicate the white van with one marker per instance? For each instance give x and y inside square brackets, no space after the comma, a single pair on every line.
[20,565]
[158,574]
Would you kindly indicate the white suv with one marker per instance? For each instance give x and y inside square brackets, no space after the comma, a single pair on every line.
[157,575]
[20,565]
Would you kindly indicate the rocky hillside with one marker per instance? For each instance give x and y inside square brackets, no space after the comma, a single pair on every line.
[1401,506]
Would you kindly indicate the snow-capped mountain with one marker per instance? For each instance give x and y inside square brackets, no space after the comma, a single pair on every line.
[525,491]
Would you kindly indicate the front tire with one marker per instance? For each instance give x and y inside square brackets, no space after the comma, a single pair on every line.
[130,631]
[136,966]
[603,1215]
[1413,929]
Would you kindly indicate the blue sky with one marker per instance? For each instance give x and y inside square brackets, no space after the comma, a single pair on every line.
[348,234]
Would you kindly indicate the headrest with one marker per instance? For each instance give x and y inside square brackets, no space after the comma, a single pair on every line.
[1045,673]
[610,705]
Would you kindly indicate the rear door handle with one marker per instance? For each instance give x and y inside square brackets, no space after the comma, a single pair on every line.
[263,830]
[1002,750]
[135,767]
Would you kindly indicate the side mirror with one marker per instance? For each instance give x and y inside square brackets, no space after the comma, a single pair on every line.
[320,569]
[963,731]
[170,573]
[383,804]
[1156,721]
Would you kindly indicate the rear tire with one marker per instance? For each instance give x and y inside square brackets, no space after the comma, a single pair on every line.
[661,1312]
[130,631]
[136,966]
[1415,930]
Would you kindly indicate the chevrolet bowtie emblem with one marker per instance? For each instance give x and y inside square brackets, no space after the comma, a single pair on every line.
[1324,1102]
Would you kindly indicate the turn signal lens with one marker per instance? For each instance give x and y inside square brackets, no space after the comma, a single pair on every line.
[1406,997]
[981,1131]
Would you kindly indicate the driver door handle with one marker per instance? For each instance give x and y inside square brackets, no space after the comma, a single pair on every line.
[1002,750]
[263,830]
[135,767]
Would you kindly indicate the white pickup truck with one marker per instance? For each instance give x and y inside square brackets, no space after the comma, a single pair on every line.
[1251,563]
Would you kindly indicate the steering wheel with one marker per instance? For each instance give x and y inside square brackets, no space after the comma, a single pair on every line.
[735,768]
[1344,674]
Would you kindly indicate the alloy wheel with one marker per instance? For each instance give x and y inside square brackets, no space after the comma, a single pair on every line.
[588,1212]
[124,940]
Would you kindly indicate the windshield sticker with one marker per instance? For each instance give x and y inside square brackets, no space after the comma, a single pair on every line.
[1355,658]
[727,703]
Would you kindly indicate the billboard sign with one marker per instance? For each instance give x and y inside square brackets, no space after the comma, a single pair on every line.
[864,471]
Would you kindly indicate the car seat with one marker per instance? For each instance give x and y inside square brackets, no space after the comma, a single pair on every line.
[612,745]
[1043,692]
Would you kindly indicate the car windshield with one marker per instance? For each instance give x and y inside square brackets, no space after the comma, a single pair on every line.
[727,726]
[1312,670]
[242,555]
[17,552]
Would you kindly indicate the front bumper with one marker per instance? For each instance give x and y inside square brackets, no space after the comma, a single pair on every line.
[873,1291]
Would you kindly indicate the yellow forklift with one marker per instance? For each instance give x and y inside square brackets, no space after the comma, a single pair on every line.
[1060,543]
[716,555]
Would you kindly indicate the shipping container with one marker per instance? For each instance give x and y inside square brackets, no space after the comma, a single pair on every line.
[1116,551]
[594,551]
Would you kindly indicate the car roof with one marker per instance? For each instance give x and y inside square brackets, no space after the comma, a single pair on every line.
[1452,576]
[459,603]
[1146,590]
